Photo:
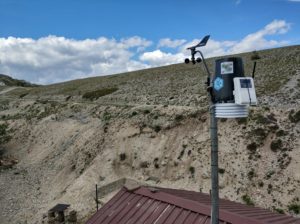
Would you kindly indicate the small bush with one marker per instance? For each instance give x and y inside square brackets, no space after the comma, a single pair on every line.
[276,145]
[157,128]
[178,117]
[252,147]
[94,95]
[223,119]
[294,116]
[260,119]
[260,184]
[23,95]
[241,120]
[280,133]
[4,136]
[122,156]
[279,210]
[181,154]
[246,198]
[255,56]
[144,164]
[221,170]
[270,188]
[192,170]
[251,174]
[294,208]
[270,174]
[134,113]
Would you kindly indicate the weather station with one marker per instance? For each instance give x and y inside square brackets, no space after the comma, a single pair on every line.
[231,95]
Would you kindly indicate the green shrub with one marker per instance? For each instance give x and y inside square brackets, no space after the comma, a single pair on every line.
[294,208]
[246,198]
[94,95]
[279,210]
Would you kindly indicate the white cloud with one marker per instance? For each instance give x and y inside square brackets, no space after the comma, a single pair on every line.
[253,41]
[55,59]
[257,40]
[159,58]
[167,42]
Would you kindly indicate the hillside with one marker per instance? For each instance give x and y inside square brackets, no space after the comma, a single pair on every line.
[152,126]
[6,80]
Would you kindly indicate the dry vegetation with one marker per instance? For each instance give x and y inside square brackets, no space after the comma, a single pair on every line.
[152,126]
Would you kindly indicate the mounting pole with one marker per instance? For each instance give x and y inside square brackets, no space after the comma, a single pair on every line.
[97,203]
[213,134]
[214,166]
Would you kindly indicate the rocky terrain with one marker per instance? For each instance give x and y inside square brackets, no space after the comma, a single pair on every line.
[151,126]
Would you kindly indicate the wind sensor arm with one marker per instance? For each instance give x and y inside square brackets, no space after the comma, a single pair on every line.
[198,60]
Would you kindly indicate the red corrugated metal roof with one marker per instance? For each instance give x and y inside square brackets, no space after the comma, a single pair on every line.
[147,205]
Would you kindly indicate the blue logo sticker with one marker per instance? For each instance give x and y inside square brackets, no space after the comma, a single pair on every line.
[218,83]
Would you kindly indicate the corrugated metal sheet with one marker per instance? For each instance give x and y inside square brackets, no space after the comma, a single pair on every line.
[169,206]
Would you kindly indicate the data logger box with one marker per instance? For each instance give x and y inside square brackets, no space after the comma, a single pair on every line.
[244,91]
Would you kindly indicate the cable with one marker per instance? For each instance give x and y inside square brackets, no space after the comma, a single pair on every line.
[248,89]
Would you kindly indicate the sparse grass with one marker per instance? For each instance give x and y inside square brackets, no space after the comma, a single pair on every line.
[4,135]
[94,95]
[294,116]
[4,104]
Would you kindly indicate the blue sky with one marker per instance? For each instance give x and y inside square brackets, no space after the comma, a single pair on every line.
[48,41]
